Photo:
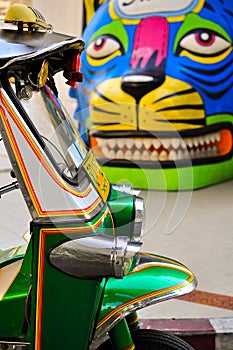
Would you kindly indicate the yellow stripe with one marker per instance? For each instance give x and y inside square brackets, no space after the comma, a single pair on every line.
[143,297]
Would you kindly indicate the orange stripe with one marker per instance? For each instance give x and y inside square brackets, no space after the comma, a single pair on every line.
[37,151]
[40,282]
[25,175]
[143,297]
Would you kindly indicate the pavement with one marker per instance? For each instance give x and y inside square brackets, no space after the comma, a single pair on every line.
[195,228]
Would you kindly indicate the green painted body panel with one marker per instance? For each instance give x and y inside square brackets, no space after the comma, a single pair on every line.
[155,278]
[64,305]
[120,336]
[12,306]
[195,177]
[122,206]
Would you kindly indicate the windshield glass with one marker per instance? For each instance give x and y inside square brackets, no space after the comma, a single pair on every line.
[56,129]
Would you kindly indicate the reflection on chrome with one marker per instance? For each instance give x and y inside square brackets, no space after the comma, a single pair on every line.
[139,218]
[95,256]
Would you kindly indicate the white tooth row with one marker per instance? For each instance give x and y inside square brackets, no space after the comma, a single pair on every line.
[145,143]
[168,143]
[162,156]
[202,140]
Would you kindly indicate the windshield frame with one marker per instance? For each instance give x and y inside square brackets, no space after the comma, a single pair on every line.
[19,106]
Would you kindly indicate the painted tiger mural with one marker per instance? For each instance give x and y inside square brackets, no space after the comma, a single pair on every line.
[156,99]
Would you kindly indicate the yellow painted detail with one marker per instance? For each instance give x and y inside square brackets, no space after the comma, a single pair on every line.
[96,174]
[20,13]
[199,6]
[90,8]
[175,18]
[100,62]
[114,109]
[114,16]
[107,109]
[207,60]
[115,127]
[43,74]
[126,21]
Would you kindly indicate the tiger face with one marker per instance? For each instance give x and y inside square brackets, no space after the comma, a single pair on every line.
[157,90]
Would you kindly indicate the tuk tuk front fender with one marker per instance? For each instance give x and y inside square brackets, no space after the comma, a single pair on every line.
[154,279]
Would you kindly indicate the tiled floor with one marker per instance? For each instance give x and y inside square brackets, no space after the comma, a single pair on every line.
[199,234]
[203,241]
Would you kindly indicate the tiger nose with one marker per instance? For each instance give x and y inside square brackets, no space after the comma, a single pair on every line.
[148,58]
[137,85]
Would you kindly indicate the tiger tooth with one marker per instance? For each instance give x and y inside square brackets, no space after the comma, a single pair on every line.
[180,155]
[111,154]
[112,143]
[195,141]
[105,151]
[154,155]
[207,139]
[166,143]
[156,143]
[98,141]
[147,143]
[119,154]
[186,154]
[163,156]
[172,155]
[175,143]
[120,143]
[201,140]
[212,138]
[136,155]
[209,150]
[212,151]
[189,142]
[183,144]
[215,150]
[192,153]
[129,143]
[145,155]
[218,136]
[137,143]
[198,153]
[128,154]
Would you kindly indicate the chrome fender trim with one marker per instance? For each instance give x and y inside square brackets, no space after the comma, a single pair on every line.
[154,279]
[14,345]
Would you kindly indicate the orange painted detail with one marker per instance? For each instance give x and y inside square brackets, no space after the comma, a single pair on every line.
[150,295]
[93,142]
[47,167]
[40,281]
[225,144]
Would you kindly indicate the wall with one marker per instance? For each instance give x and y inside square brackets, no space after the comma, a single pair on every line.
[65,16]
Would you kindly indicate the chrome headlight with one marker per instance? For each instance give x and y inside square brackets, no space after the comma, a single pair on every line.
[95,256]
[139,218]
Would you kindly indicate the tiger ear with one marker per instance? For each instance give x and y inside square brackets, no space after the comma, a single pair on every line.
[89,8]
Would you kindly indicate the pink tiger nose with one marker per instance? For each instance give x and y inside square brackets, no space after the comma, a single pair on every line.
[150,43]
[147,64]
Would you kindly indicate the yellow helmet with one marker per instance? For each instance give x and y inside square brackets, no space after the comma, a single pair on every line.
[27,16]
